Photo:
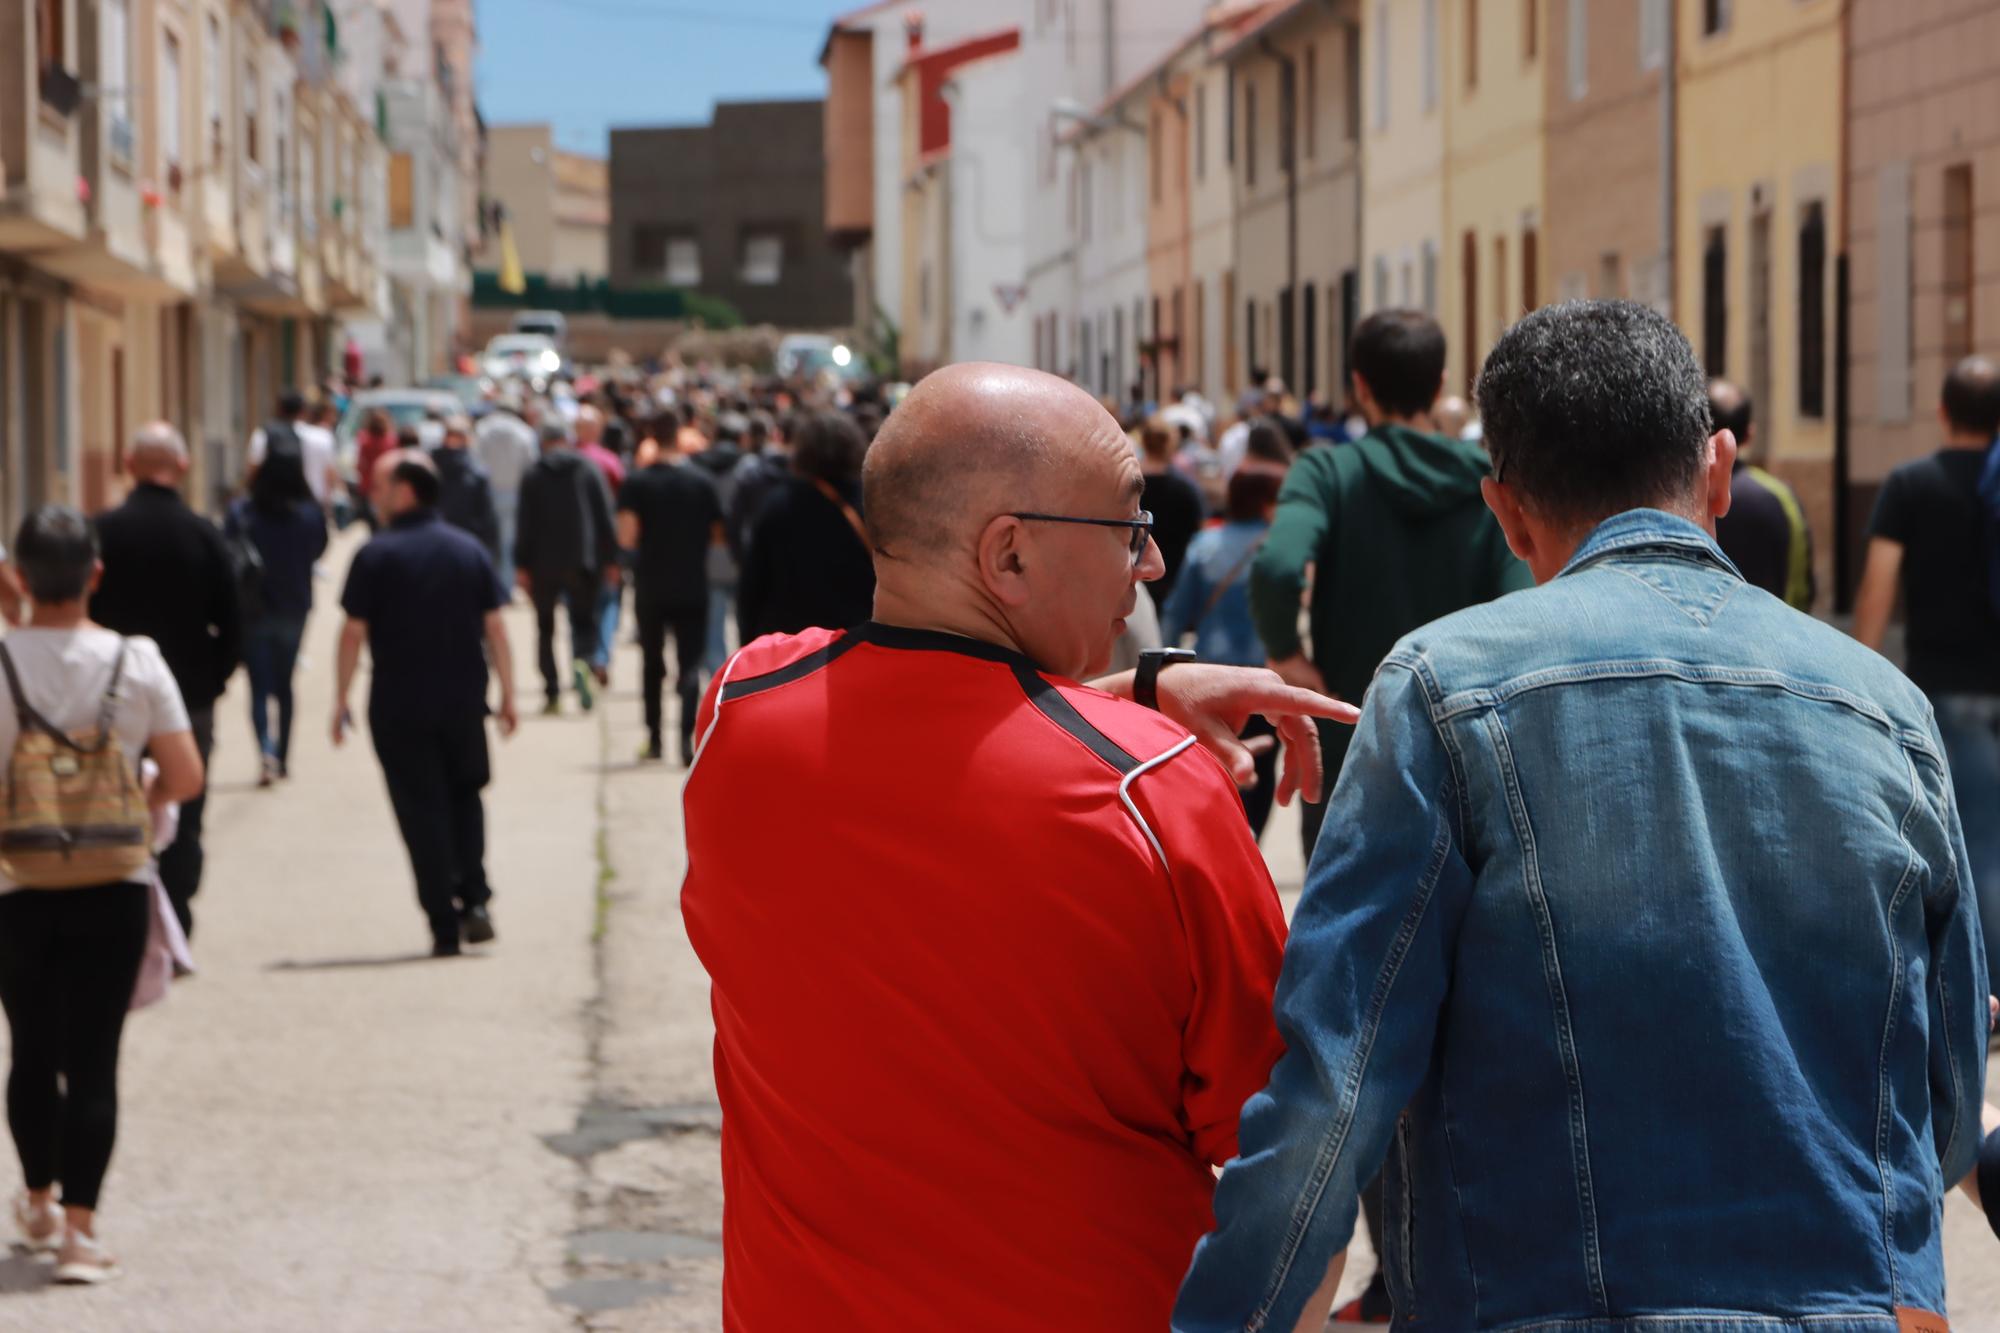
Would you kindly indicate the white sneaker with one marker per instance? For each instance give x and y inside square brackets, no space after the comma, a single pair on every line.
[83,1262]
[41,1228]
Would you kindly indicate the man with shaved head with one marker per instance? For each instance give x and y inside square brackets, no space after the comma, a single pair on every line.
[989,1002]
[168,576]
[1929,541]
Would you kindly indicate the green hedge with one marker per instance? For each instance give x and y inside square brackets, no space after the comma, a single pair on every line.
[601,297]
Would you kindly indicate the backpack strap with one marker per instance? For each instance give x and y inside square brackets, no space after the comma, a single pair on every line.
[23,714]
[109,708]
[27,717]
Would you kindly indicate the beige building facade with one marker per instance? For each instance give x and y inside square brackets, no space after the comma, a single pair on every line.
[558,203]
[1403,145]
[1758,134]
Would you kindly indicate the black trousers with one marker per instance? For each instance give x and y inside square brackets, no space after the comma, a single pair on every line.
[579,590]
[68,961]
[1260,796]
[180,864]
[435,769]
[688,623]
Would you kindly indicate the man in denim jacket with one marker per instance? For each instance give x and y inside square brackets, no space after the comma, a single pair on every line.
[1640,938]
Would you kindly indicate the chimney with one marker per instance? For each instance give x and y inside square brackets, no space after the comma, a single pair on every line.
[913,30]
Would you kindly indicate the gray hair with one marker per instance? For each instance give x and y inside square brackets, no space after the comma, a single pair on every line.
[554,431]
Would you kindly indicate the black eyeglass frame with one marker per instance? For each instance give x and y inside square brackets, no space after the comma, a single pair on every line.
[1142,527]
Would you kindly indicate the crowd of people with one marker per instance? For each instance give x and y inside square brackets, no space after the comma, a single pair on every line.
[1642,908]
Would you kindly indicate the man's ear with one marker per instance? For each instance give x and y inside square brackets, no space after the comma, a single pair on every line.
[1721,466]
[1506,507]
[1001,553]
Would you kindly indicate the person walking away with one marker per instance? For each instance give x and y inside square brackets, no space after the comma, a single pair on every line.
[504,442]
[1548,960]
[1173,501]
[168,577]
[669,516]
[760,472]
[590,427]
[719,459]
[375,441]
[1211,600]
[1110,962]
[465,492]
[282,520]
[292,432]
[1397,536]
[1927,541]
[1764,534]
[567,544]
[808,563]
[426,598]
[83,702]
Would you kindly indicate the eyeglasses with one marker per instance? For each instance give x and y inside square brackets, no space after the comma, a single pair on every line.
[1142,527]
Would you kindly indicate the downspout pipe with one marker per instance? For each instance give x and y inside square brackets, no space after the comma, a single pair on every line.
[1670,162]
[1288,139]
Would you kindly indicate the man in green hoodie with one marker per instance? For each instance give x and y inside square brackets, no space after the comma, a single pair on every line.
[1396,535]
[1392,525]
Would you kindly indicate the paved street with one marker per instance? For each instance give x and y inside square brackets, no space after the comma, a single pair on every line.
[327,1130]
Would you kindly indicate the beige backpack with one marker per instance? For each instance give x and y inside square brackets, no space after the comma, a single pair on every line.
[71,813]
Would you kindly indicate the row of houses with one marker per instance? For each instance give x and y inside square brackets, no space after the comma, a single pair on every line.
[203,200]
[1146,195]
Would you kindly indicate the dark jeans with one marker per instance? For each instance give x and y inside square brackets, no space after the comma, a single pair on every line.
[270,652]
[68,961]
[579,590]
[180,864]
[435,768]
[688,623]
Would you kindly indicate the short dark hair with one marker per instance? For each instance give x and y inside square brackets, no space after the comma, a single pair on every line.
[1730,409]
[1595,407]
[1972,396]
[1253,488]
[55,551]
[1399,354]
[421,477]
[291,403]
[830,447]
[1268,442]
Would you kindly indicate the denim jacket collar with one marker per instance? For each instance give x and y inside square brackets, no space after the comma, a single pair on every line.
[1648,529]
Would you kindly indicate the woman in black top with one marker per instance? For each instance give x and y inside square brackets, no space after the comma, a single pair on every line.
[806,561]
[286,526]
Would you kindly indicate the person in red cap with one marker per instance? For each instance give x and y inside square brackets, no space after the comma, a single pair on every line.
[991,992]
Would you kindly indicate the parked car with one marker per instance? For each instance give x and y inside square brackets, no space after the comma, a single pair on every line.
[469,389]
[813,355]
[533,357]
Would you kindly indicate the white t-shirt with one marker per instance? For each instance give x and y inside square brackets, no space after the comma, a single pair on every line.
[506,447]
[315,451]
[64,674]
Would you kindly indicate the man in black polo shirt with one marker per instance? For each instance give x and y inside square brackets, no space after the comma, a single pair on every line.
[670,516]
[427,599]
[1764,534]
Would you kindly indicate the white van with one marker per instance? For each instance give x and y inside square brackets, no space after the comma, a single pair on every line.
[549,323]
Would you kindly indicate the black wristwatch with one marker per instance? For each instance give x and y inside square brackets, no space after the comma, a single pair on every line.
[1146,681]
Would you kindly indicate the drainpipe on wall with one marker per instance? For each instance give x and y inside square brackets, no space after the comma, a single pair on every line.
[1669,161]
[1288,107]
[1844,552]
[1110,47]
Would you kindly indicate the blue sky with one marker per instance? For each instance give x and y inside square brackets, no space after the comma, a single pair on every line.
[586,65]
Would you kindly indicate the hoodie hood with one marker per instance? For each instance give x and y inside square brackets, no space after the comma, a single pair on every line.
[564,460]
[1423,475]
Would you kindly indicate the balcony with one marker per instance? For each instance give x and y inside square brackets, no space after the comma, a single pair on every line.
[41,138]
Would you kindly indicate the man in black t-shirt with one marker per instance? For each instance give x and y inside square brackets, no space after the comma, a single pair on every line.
[1764,534]
[1928,536]
[669,519]
[426,599]
[1172,500]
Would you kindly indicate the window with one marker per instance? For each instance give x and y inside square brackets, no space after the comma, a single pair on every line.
[1430,55]
[1114,360]
[1381,284]
[1610,276]
[1654,16]
[1714,17]
[1249,133]
[1470,292]
[763,259]
[1312,101]
[1500,310]
[281,123]
[252,94]
[1958,269]
[1531,37]
[1348,314]
[1084,196]
[402,192]
[211,89]
[1288,117]
[1288,366]
[51,39]
[1309,325]
[680,261]
[1812,312]
[1350,74]
[115,85]
[1201,132]
[1430,287]
[1531,277]
[308,183]
[1250,336]
[1382,65]
[1715,301]
[1579,50]
[1472,43]
[170,111]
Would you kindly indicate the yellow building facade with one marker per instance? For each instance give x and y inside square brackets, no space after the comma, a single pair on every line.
[1403,109]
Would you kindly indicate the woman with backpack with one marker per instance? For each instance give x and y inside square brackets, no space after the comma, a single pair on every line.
[284,523]
[78,705]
